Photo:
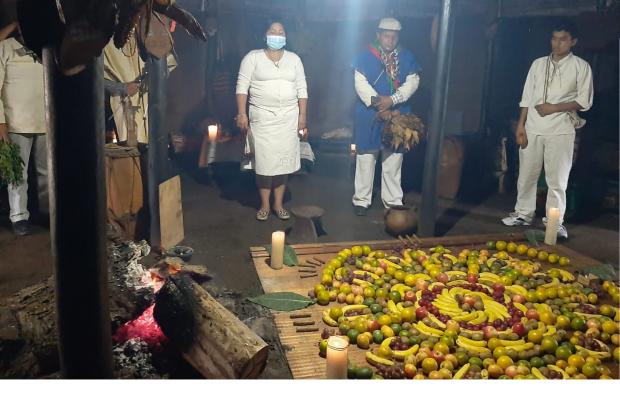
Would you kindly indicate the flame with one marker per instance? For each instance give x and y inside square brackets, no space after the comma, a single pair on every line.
[146,328]
[152,279]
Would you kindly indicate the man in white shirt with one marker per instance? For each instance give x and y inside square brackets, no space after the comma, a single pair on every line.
[556,88]
[22,121]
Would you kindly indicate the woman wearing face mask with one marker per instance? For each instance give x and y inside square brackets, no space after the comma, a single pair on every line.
[275,82]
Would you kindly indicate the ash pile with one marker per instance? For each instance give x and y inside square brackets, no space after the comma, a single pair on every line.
[132,360]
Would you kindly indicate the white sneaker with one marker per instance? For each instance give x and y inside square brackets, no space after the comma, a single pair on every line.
[515,219]
[562,233]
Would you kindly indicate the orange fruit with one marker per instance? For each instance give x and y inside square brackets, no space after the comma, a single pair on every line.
[532,253]
[553,258]
[387,331]
[504,362]
[429,365]
[384,320]
[500,245]
[542,255]
[547,317]
[511,247]
[385,352]
[408,315]
[590,371]
[564,261]
[522,249]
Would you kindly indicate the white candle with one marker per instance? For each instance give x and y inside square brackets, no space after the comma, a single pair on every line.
[553,221]
[212,132]
[352,147]
[277,250]
[337,357]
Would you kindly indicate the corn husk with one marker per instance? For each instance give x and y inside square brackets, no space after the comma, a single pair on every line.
[402,132]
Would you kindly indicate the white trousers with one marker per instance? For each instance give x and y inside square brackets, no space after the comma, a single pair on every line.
[391,190]
[556,153]
[18,195]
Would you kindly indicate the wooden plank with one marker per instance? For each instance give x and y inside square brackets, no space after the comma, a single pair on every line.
[171,212]
[302,348]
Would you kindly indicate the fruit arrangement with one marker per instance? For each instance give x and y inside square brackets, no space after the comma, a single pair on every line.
[479,314]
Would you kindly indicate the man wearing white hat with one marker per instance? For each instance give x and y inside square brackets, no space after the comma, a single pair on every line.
[386,75]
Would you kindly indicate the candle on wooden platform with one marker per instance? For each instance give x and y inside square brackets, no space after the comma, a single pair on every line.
[553,221]
[337,357]
[277,250]
[212,132]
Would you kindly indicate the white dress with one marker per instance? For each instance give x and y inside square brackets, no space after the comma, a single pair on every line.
[274,90]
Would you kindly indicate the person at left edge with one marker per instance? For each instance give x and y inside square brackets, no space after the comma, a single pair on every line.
[22,121]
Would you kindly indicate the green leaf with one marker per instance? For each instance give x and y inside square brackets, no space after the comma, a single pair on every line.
[283,301]
[290,257]
[602,271]
[535,236]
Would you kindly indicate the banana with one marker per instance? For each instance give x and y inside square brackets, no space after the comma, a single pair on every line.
[520,307]
[537,373]
[480,319]
[561,371]
[598,354]
[404,262]
[432,332]
[521,347]
[401,354]
[467,317]
[372,254]
[401,288]
[544,307]
[491,276]
[550,330]
[462,371]
[455,273]
[485,374]
[512,343]
[376,360]
[457,282]
[355,318]
[362,283]
[471,342]
[517,289]
[448,307]
[353,308]
[328,319]
[392,306]
[400,306]
[422,276]
[566,276]
[387,341]
[460,343]
[361,273]
[436,321]
[338,274]
[554,283]
[451,258]
[490,261]
[390,263]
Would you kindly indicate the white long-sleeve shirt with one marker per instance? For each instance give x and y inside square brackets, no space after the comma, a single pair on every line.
[365,90]
[272,87]
[22,100]
[569,80]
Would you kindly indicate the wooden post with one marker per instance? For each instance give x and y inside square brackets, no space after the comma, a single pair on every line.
[76,136]
[428,212]
[158,140]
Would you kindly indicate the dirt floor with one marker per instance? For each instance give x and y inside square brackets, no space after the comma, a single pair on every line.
[220,225]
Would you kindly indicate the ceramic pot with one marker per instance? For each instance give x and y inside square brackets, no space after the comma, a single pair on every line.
[400,220]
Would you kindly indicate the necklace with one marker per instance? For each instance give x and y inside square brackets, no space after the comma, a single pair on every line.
[275,63]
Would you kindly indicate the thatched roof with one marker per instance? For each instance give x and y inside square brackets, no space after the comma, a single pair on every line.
[325,10]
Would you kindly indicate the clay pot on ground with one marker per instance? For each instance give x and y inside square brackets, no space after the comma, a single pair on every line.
[400,220]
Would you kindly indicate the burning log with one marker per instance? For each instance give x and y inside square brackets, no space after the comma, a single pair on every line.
[212,339]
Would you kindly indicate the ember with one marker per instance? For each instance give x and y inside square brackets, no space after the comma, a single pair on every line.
[152,279]
[146,328]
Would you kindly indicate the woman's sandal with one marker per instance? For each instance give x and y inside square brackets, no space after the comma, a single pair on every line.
[262,215]
[283,214]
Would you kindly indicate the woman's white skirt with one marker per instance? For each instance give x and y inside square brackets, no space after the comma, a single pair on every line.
[272,142]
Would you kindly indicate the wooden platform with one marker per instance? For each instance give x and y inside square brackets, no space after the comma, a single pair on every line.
[301,349]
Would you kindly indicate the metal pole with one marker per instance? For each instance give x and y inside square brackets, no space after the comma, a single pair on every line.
[158,140]
[426,226]
[486,84]
[76,167]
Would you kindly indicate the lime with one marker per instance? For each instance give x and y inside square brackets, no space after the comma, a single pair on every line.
[335,313]
[377,337]
[578,324]
[323,348]
[323,298]
[562,353]
[351,371]
[364,373]
[549,344]
[491,245]
[352,334]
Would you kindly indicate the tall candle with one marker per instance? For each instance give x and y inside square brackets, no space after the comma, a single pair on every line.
[352,147]
[553,221]
[337,357]
[277,250]
[212,132]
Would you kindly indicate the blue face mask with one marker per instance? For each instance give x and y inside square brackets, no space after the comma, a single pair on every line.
[276,42]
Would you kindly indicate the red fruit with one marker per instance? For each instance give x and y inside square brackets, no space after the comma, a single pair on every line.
[410,296]
[383,265]
[372,325]
[442,278]
[472,278]
[519,329]
[489,332]
[519,298]
[498,288]
[421,284]
[421,259]
[532,314]
[421,313]
[469,299]
[438,356]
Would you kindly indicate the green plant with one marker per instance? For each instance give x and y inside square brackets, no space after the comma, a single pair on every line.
[11,164]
